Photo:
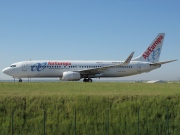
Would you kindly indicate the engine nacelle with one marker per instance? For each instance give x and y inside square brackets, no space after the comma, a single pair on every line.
[71,76]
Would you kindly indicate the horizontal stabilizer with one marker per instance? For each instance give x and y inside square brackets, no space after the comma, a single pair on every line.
[163,62]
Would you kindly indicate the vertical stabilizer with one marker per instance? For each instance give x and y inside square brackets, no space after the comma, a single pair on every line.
[152,53]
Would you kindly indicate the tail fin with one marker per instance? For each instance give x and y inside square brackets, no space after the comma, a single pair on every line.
[152,53]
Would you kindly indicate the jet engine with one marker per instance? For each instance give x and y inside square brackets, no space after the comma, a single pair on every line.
[71,76]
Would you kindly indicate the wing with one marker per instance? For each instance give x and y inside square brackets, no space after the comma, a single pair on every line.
[99,70]
[163,62]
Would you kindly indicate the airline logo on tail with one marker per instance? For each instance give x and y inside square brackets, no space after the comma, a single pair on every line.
[152,47]
[155,55]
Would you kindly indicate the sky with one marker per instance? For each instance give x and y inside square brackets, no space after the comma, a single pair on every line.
[89,30]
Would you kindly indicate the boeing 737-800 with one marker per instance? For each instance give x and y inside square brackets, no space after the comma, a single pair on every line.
[75,70]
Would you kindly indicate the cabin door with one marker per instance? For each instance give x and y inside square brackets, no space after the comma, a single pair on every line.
[24,67]
[139,67]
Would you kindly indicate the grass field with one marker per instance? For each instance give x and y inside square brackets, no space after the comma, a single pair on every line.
[89,108]
[97,89]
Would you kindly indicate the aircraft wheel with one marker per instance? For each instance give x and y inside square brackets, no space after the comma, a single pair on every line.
[20,80]
[89,80]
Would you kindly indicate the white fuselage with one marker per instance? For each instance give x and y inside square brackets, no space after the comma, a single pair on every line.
[56,68]
[75,70]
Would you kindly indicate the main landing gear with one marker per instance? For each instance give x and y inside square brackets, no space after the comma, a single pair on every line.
[87,80]
[20,80]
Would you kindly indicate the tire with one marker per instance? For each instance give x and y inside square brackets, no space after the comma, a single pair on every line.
[89,80]
[20,80]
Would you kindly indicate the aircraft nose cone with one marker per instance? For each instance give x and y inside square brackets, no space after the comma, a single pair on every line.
[5,71]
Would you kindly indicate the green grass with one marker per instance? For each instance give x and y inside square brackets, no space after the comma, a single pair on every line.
[100,108]
[100,89]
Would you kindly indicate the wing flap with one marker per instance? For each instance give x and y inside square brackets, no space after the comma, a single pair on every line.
[102,69]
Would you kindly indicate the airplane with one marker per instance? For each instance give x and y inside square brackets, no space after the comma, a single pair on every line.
[71,70]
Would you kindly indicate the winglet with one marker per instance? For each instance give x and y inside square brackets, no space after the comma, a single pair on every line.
[127,61]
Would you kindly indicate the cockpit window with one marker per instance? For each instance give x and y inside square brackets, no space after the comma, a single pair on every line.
[13,65]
